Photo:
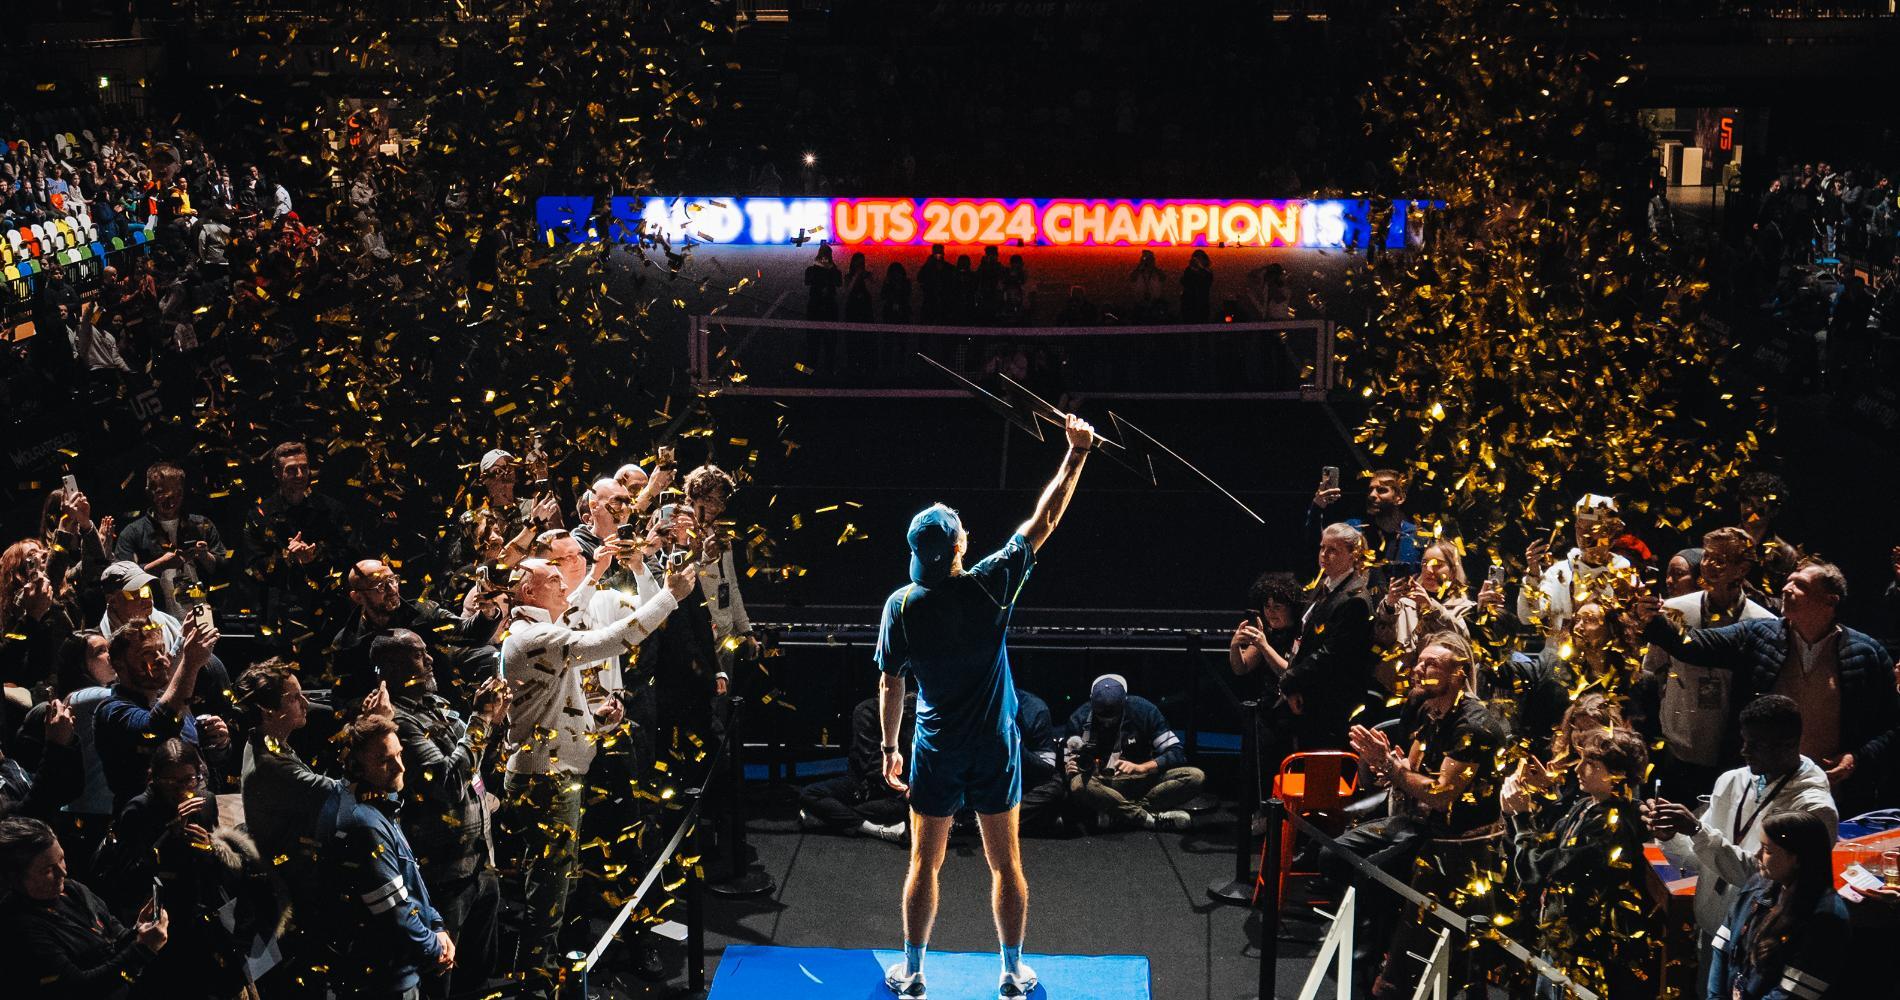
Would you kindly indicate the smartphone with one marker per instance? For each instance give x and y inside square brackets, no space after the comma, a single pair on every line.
[156,887]
[665,522]
[677,558]
[1329,477]
[625,532]
[70,483]
[1498,575]
[201,615]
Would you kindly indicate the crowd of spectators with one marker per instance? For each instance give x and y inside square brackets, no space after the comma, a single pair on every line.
[180,242]
[349,798]
[1527,745]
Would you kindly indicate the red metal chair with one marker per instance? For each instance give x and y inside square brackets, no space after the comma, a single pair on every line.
[1315,785]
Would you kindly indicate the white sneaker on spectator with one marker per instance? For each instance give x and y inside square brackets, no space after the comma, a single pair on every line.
[1018,985]
[909,987]
[807,821]
[896,833]
[1171,820]
[1167,819]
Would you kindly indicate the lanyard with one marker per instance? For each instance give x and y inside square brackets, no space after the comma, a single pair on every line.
[1742,828]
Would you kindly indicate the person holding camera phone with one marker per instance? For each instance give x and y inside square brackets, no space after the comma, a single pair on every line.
[551,726]
[1392,537]
[183,550]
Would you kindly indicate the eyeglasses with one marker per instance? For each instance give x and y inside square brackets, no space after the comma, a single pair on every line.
[387,582]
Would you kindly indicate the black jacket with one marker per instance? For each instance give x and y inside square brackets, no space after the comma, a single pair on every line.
[69,949]
[1332,668]
[463,658]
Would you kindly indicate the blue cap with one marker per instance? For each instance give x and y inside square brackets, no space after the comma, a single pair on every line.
[933,542]
[1107,695]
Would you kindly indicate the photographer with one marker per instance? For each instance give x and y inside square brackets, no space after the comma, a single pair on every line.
[1124,763]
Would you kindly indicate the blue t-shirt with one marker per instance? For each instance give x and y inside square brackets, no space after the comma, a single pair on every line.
[951,637]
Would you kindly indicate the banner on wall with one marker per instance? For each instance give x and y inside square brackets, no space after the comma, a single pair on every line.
[1058,222]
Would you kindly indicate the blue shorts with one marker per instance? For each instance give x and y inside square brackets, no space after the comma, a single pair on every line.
[986,776]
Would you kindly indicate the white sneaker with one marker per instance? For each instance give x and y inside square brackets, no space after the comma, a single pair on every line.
[896,833]
[908,987]
[806,821]
[1170,819]
[1019,985]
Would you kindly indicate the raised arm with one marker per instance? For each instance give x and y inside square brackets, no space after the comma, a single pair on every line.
[1055,496]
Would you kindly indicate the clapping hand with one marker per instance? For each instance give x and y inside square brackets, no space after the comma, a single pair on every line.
[301,552]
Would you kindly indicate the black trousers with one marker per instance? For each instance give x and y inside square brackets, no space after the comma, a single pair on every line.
[471,913]
[843,802]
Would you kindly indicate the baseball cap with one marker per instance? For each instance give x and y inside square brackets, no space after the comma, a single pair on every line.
[126,575]
[494,456]
[1595,508]
[1107,695]
[933,541]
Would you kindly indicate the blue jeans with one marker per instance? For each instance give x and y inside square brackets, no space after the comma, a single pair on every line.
[547,811]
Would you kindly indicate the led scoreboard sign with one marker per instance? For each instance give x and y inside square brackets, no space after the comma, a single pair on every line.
[1058,222]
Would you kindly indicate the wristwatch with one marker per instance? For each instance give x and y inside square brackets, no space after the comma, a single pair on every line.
[890,749]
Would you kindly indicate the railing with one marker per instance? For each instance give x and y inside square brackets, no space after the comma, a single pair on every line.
[756,356]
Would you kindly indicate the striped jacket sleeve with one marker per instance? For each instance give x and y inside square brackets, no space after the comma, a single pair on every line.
[380,887]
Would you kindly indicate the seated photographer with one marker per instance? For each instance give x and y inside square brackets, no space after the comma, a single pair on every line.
[858,802]
[1124,763]
[1444,798]
[1045,786]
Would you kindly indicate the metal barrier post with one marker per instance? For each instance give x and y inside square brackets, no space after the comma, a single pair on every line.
[743,880]
[1239,891]
[696,912]
[1275,811]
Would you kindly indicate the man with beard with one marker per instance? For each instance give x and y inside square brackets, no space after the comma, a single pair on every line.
[1391,536]
[378,608]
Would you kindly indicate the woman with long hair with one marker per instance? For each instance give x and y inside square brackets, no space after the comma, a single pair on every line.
[1435,599]
[1786,936]
[38,610]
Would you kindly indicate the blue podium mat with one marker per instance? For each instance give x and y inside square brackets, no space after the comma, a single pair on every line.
[749,972]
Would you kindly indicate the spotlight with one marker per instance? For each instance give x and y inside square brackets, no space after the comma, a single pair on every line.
[811,159]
